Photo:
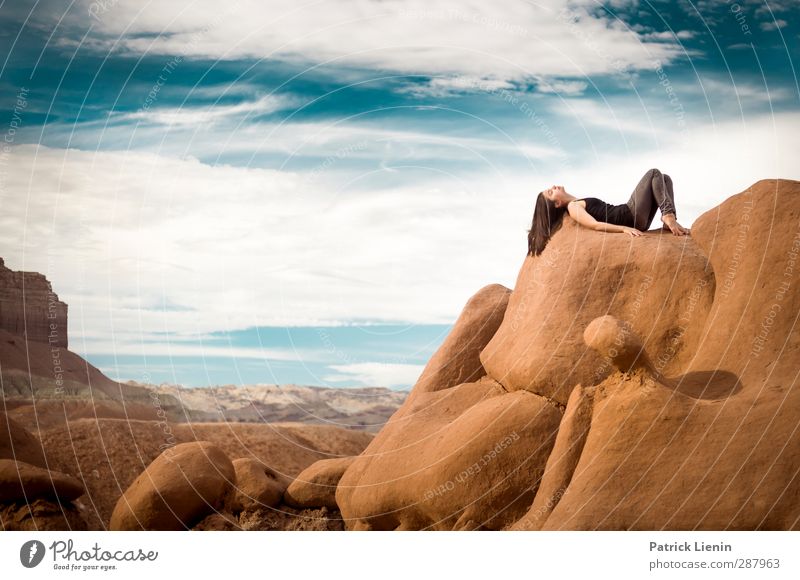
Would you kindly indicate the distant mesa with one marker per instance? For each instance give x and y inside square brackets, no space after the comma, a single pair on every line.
[30,308]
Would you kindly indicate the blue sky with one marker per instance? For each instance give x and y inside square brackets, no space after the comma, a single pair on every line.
[308,192]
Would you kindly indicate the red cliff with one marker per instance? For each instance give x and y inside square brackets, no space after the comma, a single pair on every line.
[29,307]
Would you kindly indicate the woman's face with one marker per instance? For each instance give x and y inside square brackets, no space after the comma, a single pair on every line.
[555,194]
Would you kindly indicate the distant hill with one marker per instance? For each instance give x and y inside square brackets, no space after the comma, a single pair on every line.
[362,407]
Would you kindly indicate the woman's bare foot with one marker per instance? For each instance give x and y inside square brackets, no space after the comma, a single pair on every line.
[671,224]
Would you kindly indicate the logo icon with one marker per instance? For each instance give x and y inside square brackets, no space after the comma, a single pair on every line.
[31,553]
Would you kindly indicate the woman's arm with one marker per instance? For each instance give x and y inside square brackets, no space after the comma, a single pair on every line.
[580,215]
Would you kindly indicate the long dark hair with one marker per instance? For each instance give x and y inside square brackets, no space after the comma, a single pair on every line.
[547,219]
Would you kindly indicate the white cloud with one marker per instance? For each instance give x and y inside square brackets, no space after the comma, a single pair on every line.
[773,24]
[739,95]
[670,35]
[608,115]
[203,115]
[506,40]
[375,373]
[452,85]
[562,87]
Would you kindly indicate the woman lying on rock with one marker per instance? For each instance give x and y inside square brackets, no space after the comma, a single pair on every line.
[634,217]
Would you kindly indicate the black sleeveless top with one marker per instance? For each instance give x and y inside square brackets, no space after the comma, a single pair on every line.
[612,214]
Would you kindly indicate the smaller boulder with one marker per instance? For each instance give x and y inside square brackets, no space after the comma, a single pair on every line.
[17,443]
[178,489]
[43,515]
[615,339]
[316,485]
[23,482]
[256,485]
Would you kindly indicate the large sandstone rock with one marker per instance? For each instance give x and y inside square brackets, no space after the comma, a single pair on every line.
[28,306]
[183,485]
[18,443]
[316,485]
[257,485]
[676,361]
[20,481]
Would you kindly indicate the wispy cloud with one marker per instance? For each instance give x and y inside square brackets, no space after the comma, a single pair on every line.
[449,86]
[562,87]
[343,142]
[194,115]
[773,24]
[374,373]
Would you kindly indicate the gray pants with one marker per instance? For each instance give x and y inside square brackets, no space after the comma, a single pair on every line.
[653,191]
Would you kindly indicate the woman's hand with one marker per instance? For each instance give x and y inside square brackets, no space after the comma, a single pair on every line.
[633,232]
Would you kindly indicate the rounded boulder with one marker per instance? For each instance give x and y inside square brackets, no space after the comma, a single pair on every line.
[21,481]
[178,489]
[257,485]
[17,443]
[316,485]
